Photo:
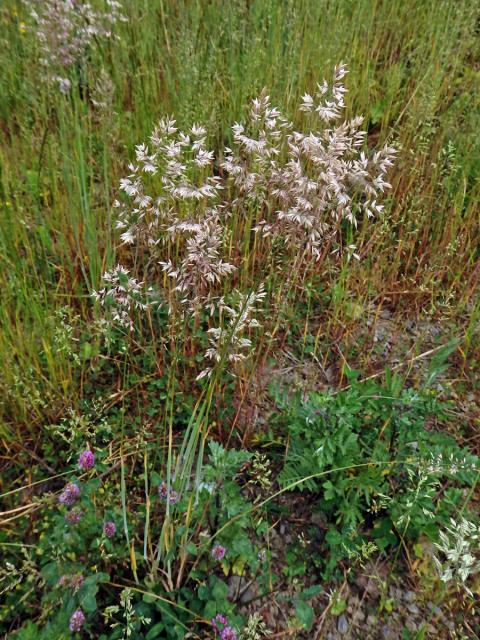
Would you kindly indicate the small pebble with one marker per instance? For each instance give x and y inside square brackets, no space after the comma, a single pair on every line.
[342,625]
[329,374]
[386,632]
[398,593]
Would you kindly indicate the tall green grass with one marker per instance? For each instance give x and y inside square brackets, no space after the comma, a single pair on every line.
[413,74]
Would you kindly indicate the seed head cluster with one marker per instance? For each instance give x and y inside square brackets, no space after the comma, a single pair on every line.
[457,558]
[181,205]
[121,295]
[65,29]
[228,342]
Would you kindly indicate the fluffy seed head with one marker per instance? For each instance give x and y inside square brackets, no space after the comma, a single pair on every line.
[65,29]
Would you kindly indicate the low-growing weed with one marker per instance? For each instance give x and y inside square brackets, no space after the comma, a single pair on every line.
[375,463]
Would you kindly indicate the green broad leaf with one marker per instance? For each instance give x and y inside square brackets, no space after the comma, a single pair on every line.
[29,632]
[438,363]
[202,592]
[89,602]
[219,590]
[50,572]
[376,112]
[89,591]
[155,631]
[149,599]
[352,374]
[92,485]
[241,546]
[96,578]
[329,490]
[155,479]
[305,614]
[210,610]
[86,350]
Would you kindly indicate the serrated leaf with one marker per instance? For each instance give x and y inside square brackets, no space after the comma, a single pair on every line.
[89,602]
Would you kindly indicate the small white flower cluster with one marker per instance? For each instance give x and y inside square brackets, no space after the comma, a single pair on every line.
[184,167]
[458,544]
[66,28]
[122,294]
[256,628]
[441,464]
[228,342]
